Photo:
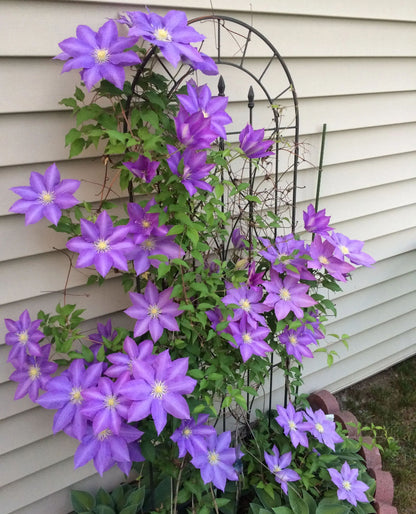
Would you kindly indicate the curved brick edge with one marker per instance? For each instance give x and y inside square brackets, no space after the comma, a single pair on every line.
[383,497]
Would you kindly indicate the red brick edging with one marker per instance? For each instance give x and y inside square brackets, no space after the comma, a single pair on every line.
[383,497]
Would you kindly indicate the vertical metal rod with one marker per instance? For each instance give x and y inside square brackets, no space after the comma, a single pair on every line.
[271,387]
[221,92]
[250,178]
[321,160]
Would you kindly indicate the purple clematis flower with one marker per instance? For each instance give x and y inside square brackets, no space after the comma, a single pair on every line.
[157,390]
[23,336]
[351,248]
[254,279]
[143,168]
[250,338]
[237,239]
[216,462]
[105,406]
[194,130]
[278,465]
[349,488]
[252,144]
[293,425]
[100,54]
[296,342]
[107,449]
[65,393]
[154,312]
[321,427]
[102,244]
[46,196]
[322,253]
[287,295]
[104,332]
[33,374]
[149,239]
[191,435]
[199,99]
[287,256]
[171,33]
[207,65]
[316,221]
[142,222]
[249,301]
[133,356]
[195,168]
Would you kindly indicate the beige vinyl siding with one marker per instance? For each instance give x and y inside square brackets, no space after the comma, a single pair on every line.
[354,68]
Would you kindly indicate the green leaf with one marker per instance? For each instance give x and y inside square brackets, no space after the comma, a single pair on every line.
[310,502]
[69,102]
[104,509]
[162,270]
[136,497]
[297,504]
[72,135]
[332,506]
[76,147]
[150,117]
[193,235]
[104,498]
[79,94]
[82,501]
[130,509]
[221,502]
[282,510]
[176,229]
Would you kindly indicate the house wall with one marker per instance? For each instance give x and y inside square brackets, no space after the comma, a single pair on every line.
[354,68]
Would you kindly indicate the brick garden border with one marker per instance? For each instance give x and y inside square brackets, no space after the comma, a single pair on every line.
[383,497]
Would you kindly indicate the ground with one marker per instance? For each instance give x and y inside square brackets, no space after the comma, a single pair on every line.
[388,400]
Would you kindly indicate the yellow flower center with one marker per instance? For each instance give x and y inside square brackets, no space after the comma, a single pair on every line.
[344,249]
[346,485]
[293,340]
[323,260]
[111,401]
[292,425]
[162,35]
[47,197]
[149,244]
[319,428]
[186,432]
[247,338]
[23,337]
[34,372]
[205,114]
[101,55]
[245,305]
[154,311]
[276,469]
[213,458]
[101,245]
[104,434]
[159,389]
[145,223]
[284,294]
[75,395]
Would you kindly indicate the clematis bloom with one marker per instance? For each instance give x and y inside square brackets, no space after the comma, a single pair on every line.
[349,488]
[101,244]
[100,54]
[46,196]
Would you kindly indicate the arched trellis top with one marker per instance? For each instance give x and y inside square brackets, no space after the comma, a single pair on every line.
[233,41]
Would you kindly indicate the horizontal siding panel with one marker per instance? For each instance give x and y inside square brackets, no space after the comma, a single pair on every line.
[371,9]
[348,371]
[46,144]
[98,301]
[352,176]
[59,502]
[320,36]
[354,145]
[12,407]
[43,483]
[312,78]
[22,462]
